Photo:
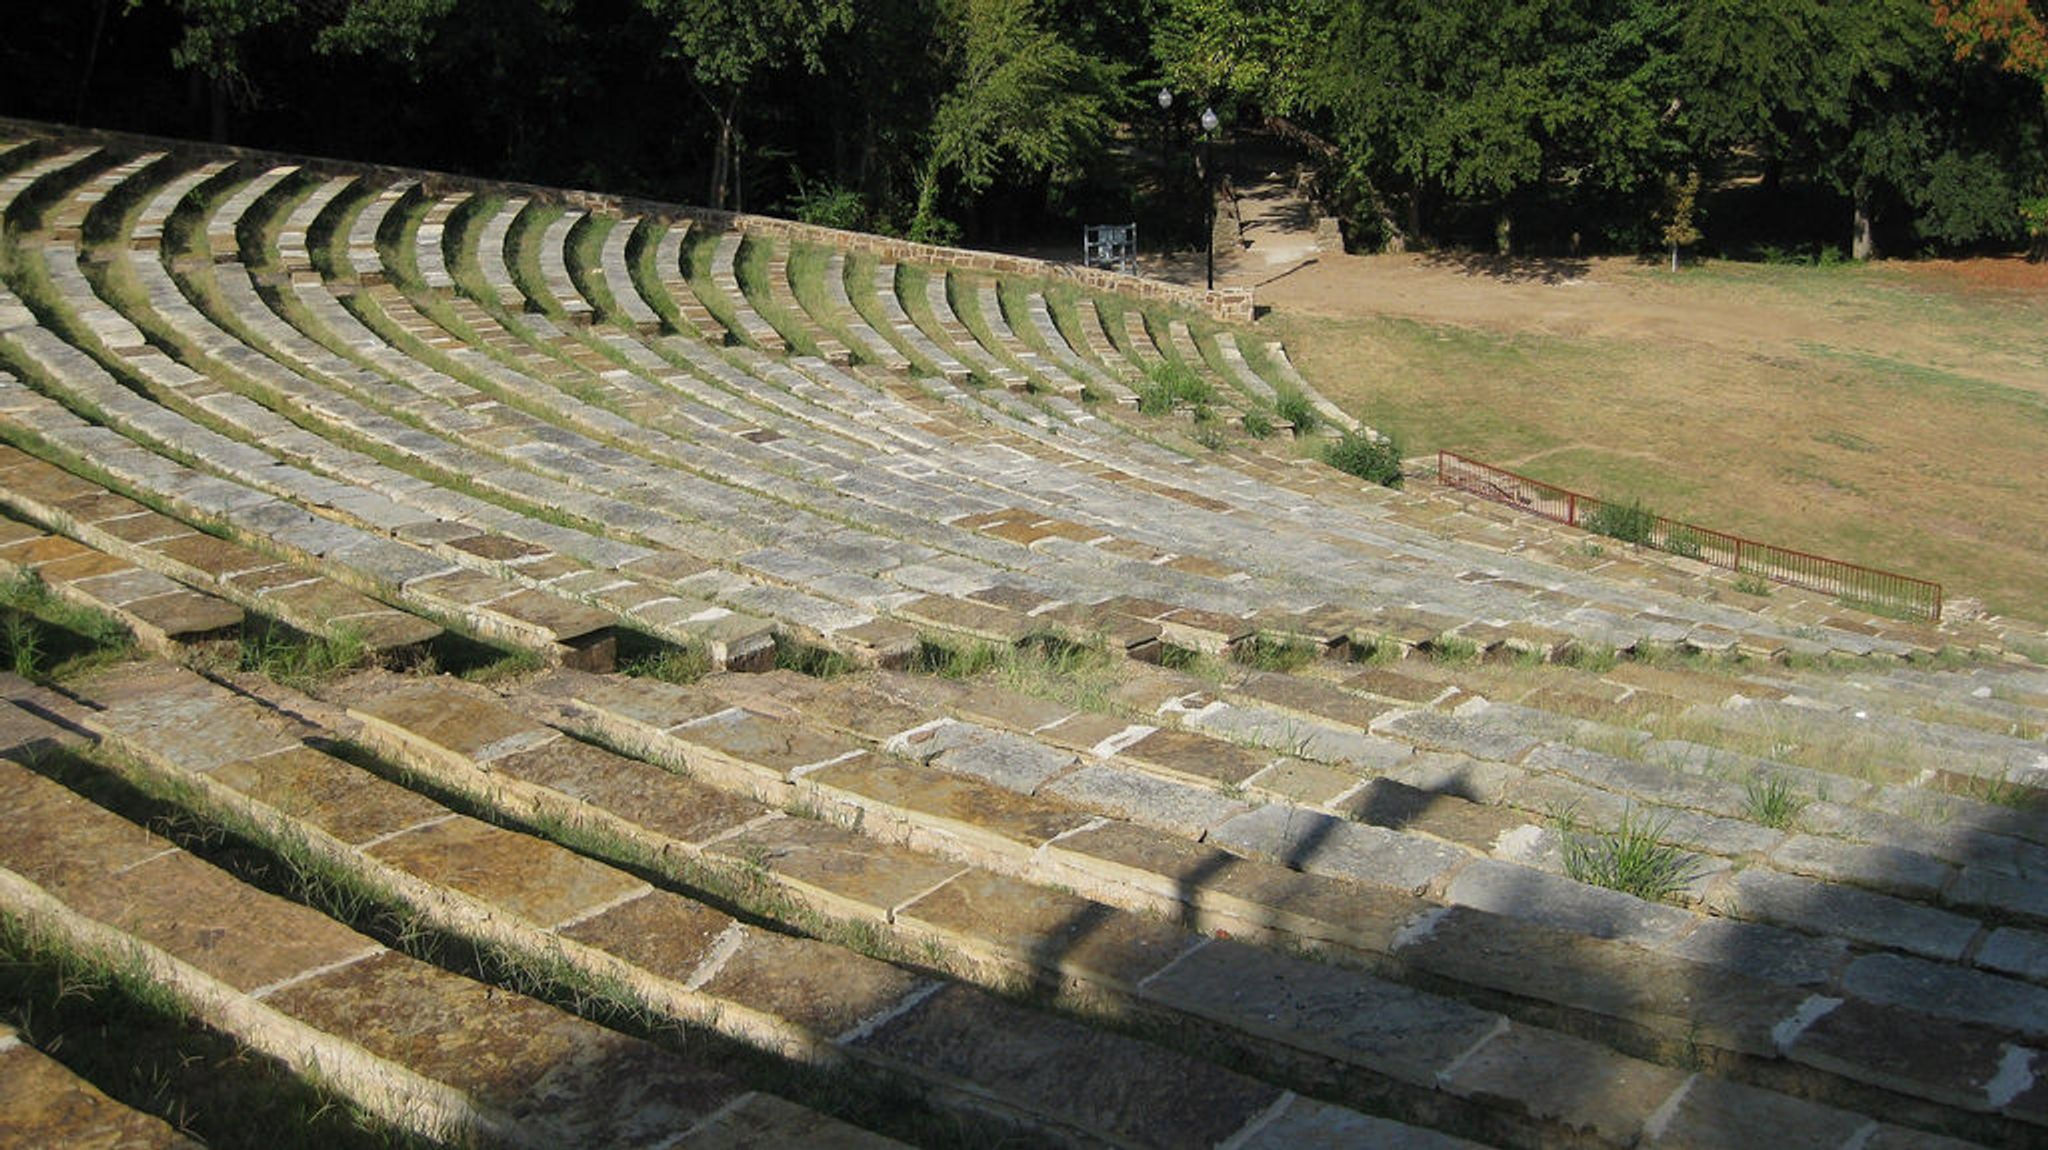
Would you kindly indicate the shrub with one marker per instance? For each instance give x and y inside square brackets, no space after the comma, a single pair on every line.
[1374,460]
[829,205]
[1753,585]
[1295,408]
[1770,800]
[1682,541]
[1257,425]
[1630,522]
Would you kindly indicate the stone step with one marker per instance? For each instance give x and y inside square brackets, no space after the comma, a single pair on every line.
[365,261]
[873,347]
[119,527]
[725,278]
[162,614]
[866,1009]
[618,278]
[42,1103]
[954,811]
[146,231]
[294,256]
[66,222]
[561,291]
[493,252]
[224,224]
[419,1046]
[692,317]
[430,251]
[49,167]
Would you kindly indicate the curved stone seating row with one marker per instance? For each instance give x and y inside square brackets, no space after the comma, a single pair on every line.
[16,183]
[146,233]
[251,493]
[364,261]
[781,294]
[1146,352]
[493,254]
[554,270]
[430,253]
[323,999]
[873,347]
[161,613]
[1092,377]
[67,222]
[1101,346]
[955,336]
[516,549]
[692,317]
[703,966]
[224,223]
[724,276]
[294,256]
[911,336]
[618,278]
[88,512]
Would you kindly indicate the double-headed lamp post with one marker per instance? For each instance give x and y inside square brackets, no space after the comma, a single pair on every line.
[1209,123]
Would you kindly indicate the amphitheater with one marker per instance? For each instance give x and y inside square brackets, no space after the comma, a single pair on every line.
[806,698]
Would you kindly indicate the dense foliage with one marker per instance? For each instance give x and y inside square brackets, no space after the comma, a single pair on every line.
[1528,125]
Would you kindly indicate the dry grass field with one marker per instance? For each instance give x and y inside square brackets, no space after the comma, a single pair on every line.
[1894,414]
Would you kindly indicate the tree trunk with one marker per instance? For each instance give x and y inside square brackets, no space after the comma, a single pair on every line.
[721,161]
[1674,257]
[1861,245]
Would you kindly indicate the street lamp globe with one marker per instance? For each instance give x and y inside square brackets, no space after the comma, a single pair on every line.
[1209,120]
[1165,99]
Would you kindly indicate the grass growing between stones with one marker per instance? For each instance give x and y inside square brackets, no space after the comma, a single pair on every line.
[1631,858]
[45,638]
[1769,800]
[298,660]
[102,1016]
[1170,386]
[1268,652]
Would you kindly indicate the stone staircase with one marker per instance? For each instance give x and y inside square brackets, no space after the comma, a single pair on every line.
[1118,788]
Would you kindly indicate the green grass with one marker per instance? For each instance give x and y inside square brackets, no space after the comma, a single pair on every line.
[1171,385]
[1268,652]
[105,1018]
[45,638]
[297,660]
[645,657]
[1373,460]
[951,658]
[1769,800]
[1631,858]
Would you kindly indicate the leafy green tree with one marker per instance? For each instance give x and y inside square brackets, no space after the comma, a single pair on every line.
[1021,97]
[729,44]
[212,44]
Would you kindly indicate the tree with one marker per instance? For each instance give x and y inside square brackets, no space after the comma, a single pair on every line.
[1681,213]
[211,48]
[1021,96]
[2013,33]
[730,43]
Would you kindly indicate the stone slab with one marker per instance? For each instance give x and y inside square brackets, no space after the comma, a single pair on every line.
[776,746]
[1398,806]
[1913,1054]
[1463,734]
[565,1078]
[1580,1087]
[1844,912]
[848,872]
[42,1103]
[969,811]
[641,793]
[1326,844]
[765,1122]
[661,932]
[1517,891]
[1950,991]
[453,724]
[1714,1113]
[820,989]
[1344,1015]
[1015,922]
[1147,800]
[1306,1124]
[536,880]
[1111,1088]
[1196,758]
[232,931]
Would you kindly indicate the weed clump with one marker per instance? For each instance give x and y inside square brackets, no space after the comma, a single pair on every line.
[1373,460]
[1629,522]
[1295,408]
[1770,801]
[1632,858]
[1170,385]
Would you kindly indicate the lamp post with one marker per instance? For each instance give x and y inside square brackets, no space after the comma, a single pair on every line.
[1165,99]
[1209,123]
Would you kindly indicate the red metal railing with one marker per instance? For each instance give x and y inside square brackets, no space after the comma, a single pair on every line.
[1865,586]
